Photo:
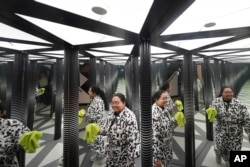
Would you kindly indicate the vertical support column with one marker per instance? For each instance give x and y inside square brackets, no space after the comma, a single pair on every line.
[101,74]
[53,88]
[164,71]
[92,63]
[108,79]
[3,82]
[58,98]
[70,128]
[128,86]
[146,104]
[153,77]
[223,73]
[209,96]
[9,70]
[114,81]
[19,101]
[135,87]
[230,75]
[196,95]
[32,91]
[98,74]
[217,77]
[188,109]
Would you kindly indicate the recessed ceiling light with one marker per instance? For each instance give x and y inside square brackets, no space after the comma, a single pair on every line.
[99,10]
[211,24]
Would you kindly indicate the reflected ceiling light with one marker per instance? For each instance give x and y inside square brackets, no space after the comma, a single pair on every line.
[246,53]
[211,24]
[155,49]
[124,49]
[54,56]
[119,12]
[10,32]
[244,43]
[19,46]
[6,60]
[196,43]
[214,53]
[99,10]
[199,13]
[74,37]
[116,58]
[162,56]
[101,54]
[54,52]
[83,58]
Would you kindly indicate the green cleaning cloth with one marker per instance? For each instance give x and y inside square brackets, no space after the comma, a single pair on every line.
[41,91]
[30,141]
[211,113]
[91,132]
[180,118]
[179,105]
[81,115]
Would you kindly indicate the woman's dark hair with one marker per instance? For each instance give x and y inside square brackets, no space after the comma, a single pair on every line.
[122,98]
[2,110]
[157,95]
[165,86]
[99,92]
[222,89]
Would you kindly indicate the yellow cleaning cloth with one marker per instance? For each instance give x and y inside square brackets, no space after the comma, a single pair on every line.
[179,105]
[81,115]
[180,118]
[91,132]
[30,141]
[211,113]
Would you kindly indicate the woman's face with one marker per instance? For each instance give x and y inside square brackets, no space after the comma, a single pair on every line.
[162,101]
[227,94]
[91,94]
[117,104]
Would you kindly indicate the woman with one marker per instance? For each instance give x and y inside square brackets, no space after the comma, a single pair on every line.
[11,131]
[122,134]
[232,117]
[170,106]
[95,114]
[162,124]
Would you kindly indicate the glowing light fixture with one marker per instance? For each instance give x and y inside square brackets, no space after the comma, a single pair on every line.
[202,12]
[195,43]
[119,12]
[76,37]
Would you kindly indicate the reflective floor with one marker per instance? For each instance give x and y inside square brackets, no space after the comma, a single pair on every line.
[50,151]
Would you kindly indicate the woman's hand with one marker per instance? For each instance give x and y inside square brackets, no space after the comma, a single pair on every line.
[158,163]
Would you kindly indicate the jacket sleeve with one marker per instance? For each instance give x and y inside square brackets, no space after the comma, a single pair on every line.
[133,138]
[94,112]
[156,125]
[246,120]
